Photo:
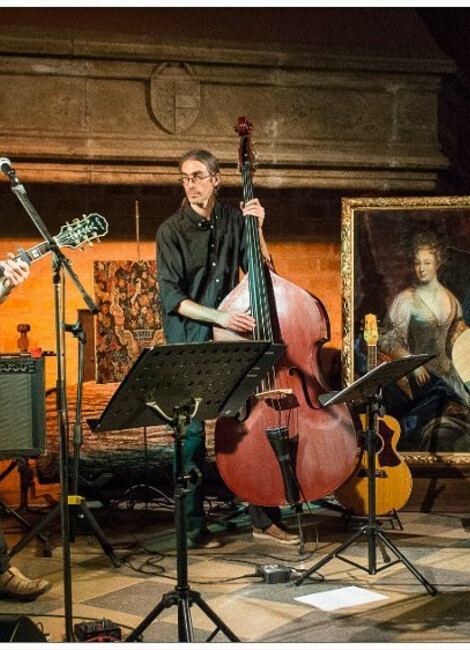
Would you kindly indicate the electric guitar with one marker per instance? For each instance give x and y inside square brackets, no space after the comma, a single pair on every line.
[393,477]
[72,235]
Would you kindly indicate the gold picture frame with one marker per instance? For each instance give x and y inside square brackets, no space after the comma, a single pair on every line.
[377,264]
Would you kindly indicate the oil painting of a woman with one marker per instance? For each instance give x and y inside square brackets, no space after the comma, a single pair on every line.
[432,405]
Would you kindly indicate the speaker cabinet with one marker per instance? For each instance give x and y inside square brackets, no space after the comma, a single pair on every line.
[15,629]
[22,406]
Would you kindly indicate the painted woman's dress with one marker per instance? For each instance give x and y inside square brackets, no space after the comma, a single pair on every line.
[435,416]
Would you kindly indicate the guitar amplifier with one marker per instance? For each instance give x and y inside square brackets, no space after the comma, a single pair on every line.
[22,406]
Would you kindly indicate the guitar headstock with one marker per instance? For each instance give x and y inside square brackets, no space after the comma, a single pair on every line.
[371,330]
[82,231]
[246,151]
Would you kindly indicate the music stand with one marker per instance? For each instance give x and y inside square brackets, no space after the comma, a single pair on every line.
[172,384]
[369,389]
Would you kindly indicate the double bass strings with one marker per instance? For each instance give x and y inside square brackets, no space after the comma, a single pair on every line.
[258,289]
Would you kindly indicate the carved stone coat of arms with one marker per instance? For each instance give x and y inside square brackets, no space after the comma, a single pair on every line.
[175,97]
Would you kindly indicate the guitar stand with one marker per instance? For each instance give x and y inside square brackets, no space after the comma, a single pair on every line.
[373,381]
[188,380]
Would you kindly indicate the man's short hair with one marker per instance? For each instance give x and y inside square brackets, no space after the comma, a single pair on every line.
[205,157]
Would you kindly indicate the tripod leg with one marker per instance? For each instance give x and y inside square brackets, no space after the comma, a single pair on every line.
[185,625]
[167,600]
[398,520]
[10,511]
[35,531]
[429,588]
[383,550]
[197,599]
[372,554]
[329,557]
[105,545]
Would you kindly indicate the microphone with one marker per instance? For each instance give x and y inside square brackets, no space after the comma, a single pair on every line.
[7,169]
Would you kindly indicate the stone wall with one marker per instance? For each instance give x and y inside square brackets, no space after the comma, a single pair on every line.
[78,107]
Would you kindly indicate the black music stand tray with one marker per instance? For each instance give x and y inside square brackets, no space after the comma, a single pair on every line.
[369,389]
[172,384]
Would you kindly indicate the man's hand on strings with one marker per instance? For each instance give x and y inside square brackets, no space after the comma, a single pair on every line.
[236,320]
[255,209]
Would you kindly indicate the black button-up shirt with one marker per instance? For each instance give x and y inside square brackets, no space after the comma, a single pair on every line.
[198,259]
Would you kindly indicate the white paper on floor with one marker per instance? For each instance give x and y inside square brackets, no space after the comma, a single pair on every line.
[337,598]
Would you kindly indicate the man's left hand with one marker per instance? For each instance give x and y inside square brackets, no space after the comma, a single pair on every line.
[255,209]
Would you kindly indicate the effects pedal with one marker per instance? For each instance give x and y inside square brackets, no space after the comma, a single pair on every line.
[104,630]
[274,573]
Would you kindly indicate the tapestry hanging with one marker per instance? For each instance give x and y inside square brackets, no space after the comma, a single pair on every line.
[129,317]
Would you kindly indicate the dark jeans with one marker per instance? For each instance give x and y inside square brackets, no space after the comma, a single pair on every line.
[263,516]
[4,562]
[194,455]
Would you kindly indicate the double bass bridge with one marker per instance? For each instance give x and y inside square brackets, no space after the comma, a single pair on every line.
[281,399]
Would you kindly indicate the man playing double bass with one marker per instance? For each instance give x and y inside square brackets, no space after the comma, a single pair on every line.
[200,250]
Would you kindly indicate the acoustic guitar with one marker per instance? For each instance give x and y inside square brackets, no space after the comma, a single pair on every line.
[393,476]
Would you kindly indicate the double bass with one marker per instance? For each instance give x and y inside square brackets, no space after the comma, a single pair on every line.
[283,420]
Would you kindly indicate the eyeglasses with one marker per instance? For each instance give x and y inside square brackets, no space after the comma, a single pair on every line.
[197,178]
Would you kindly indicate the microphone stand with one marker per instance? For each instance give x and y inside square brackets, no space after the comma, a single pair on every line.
[59,264]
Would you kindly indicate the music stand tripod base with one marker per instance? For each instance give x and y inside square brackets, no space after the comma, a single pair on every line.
[172,384]
[369,389]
